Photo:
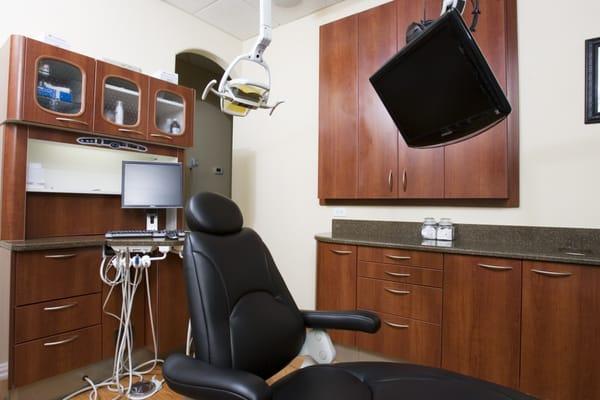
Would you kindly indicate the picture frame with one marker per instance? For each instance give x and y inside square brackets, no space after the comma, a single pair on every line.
[592,81]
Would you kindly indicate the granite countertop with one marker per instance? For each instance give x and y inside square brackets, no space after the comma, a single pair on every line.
[563,245]
[79,241]
[53,243]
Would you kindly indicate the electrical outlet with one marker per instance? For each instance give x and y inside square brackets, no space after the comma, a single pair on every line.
[339,212]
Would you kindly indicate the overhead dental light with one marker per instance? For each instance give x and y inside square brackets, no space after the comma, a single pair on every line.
[239,96]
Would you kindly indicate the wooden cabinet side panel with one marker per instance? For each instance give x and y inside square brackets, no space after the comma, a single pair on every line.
[13,179]
[12,61]
[338,109]
[561,332]
[336,283]
[482,318]
[377,133]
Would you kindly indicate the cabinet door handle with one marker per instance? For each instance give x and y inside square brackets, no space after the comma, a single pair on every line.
[126,130]
[494,267]
[397,326]
[396,291]
[398,257]
[63,119]
[58,308]
[158,135]
[390,180]
[404,180]
[341,252]
[552,274]
[397,274]
[69,340]
[54,256]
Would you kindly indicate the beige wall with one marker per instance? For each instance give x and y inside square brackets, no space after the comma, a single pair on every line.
[145,33]
[275,159]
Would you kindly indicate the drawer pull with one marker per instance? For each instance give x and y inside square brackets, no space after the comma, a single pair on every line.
[341,252]
[395,291]
[60,255]
[158,135]
[125,130]
[552,274]
[397,326]
[398,257]
[397,274]
[494,267]
[58,343]
[63,119]
[58,308]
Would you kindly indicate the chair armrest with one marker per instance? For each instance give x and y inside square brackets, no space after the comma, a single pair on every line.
[199,380]
[355,320]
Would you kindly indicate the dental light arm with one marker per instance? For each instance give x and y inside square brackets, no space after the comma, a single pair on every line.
[240,96]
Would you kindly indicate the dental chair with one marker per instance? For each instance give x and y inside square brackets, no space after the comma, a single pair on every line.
[246,327]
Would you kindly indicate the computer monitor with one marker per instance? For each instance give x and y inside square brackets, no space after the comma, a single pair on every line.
[151,185]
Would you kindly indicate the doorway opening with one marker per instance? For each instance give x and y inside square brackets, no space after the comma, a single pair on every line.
[209,161]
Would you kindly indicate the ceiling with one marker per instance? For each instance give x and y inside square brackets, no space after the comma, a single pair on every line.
[240,18]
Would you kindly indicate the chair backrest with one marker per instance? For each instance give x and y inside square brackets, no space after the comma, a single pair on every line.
[243,316]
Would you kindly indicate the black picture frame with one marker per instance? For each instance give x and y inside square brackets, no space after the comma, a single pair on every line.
[592,81]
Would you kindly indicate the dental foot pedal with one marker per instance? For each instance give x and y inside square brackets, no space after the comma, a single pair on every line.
[144,389]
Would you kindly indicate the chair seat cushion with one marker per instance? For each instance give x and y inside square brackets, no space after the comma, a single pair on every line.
[386,381]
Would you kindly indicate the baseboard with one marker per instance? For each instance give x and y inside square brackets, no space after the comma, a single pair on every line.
[4,371]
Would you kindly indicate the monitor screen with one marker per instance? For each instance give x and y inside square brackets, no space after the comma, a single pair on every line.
[151,185]
[439,89]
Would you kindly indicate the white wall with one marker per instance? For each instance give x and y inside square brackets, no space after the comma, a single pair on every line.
[275,159]
[145,33]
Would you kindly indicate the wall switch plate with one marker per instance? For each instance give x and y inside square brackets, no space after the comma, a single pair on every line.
[218,171]
[339,212]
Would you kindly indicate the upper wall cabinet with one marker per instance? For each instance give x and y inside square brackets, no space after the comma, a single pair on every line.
[45,85]
[171,117]
[58,86]
[361,154]
[121,102]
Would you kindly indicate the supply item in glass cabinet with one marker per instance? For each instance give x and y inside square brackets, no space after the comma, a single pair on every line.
[445,230]
[239,96]
[175,127]
[121,100]
[170,110]
[119,113]
[429,229]
[59,86]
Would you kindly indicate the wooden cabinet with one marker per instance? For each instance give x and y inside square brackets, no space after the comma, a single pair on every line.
[58,86]
[336,283]
[121,102]
[377,133]
[560,340]
[171,116]
[48,86]
[482,318]
[338,109]
[420,171]
[375,163]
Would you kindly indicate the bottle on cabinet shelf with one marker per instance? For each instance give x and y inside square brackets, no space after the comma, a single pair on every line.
[119,113]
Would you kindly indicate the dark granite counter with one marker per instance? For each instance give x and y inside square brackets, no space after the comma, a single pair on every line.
[53,243]
[565,245]
[67,242]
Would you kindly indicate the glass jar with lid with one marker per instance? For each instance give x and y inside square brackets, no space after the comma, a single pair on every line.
[429,229]
[445,230]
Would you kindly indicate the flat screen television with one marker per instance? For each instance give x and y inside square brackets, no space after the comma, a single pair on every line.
[151,185]
[439,88]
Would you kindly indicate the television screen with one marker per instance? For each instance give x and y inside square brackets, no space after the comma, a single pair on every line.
[439,89]
[151,185]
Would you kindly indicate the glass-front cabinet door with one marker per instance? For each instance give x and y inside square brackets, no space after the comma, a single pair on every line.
[59,86]
[121,102]
[171,119]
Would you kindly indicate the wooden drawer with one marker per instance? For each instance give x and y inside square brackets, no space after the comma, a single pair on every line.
[410,301]
[399,273]
[401,257]
[56,274]
[51,356]
[405,339]
[50,318]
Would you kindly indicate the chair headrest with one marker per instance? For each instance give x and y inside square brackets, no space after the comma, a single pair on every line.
[214,214]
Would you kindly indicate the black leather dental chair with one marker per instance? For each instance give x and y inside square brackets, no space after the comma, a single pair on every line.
[246,327]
